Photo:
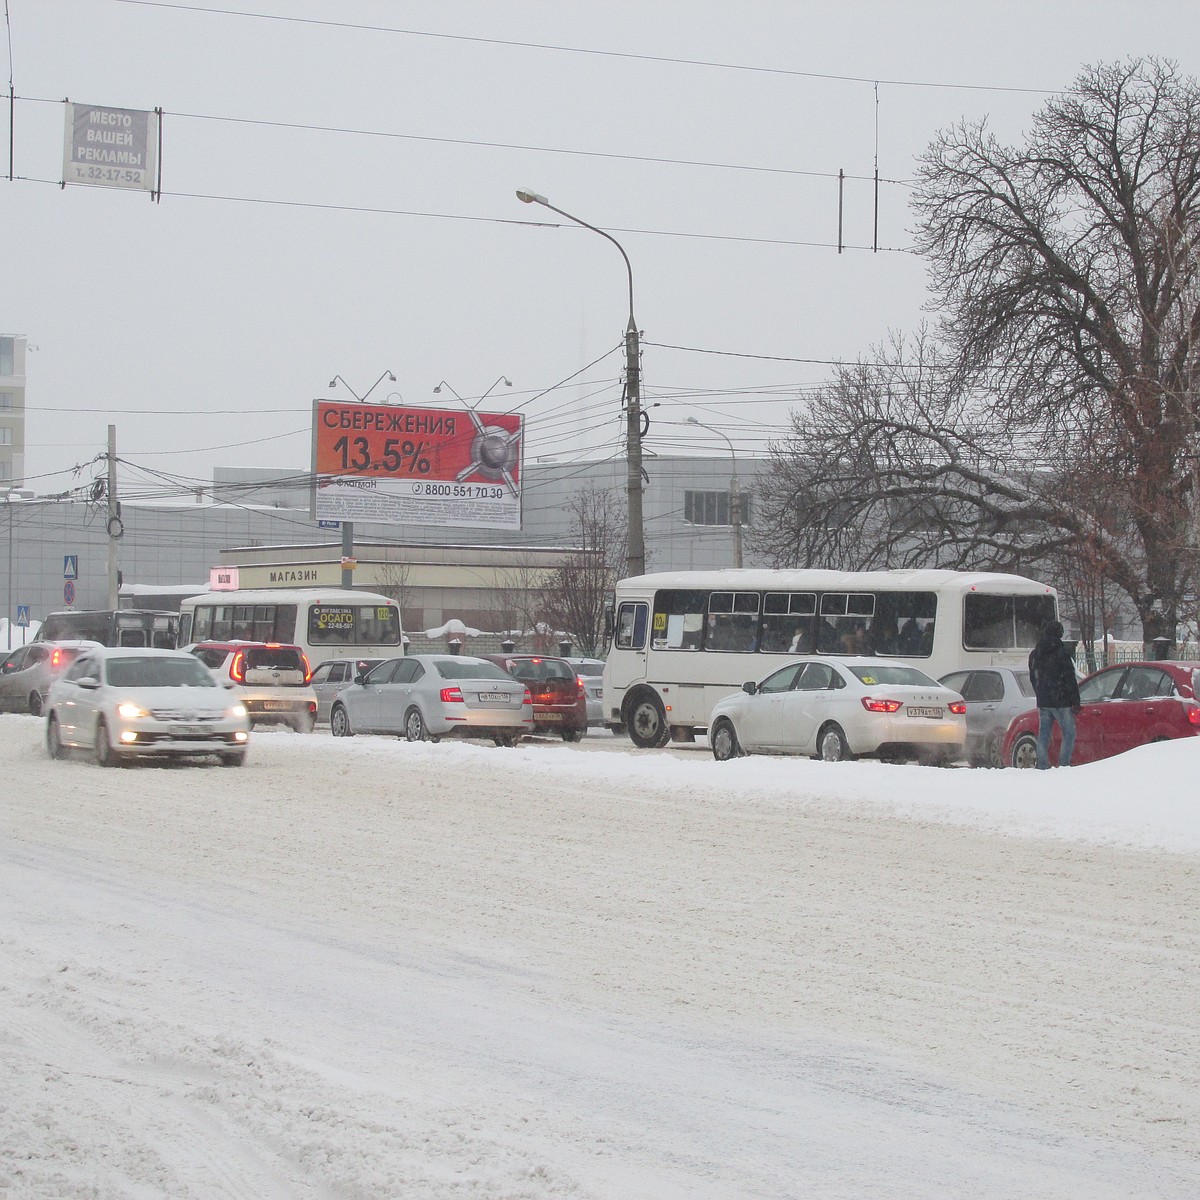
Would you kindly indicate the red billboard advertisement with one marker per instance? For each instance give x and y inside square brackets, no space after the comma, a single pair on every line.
[405,465]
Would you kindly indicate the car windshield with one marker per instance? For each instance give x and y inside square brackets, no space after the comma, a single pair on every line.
[589,668]
[454,668]
[158,672]
[886,673]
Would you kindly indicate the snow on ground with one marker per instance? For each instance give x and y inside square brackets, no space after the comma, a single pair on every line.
[362,968]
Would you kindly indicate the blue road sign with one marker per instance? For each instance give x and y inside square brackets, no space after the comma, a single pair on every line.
[70,566]
[329,524]
[22,614]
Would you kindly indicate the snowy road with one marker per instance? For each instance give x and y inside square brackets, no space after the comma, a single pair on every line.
[367,969]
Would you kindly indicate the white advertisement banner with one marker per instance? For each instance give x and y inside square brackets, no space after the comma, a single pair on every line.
[110,147]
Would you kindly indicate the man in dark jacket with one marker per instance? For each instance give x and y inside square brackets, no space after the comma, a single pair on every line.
[1052,673]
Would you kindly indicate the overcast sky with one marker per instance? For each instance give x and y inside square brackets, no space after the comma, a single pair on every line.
[338,199]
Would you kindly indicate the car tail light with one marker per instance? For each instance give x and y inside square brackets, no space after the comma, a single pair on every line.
[582,689]
[528,698]
[872,704]
[1193,713]
[56,657]
[307,667]
[237,668]
[957,707]
[452,695]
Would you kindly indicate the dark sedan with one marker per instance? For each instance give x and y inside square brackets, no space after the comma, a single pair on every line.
[1120,707]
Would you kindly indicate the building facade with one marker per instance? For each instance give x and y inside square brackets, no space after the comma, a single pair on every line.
[12,411]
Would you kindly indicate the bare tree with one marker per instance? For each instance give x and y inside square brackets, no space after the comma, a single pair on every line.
[520,596]
[577,592]
[1068,279]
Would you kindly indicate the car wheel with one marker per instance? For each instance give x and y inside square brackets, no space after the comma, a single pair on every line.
[414,726]
[101,750]
[572,735]
[339,722]
[832,745]
[236,759]
[35,704]
[647,722]
[993,755]
[724,741]
[507,739]
[54,745]
[1024,751]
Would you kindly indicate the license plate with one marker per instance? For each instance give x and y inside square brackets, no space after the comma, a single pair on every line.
[188,730]
[493,697]
[275,706]
[548,717]
[913,711]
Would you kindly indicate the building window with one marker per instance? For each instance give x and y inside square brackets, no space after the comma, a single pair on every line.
[5,471]
[712,508]
[7,355]
[6,399]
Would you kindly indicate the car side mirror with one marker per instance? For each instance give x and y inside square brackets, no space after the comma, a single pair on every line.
[360,678]
[750,687]
[88,681]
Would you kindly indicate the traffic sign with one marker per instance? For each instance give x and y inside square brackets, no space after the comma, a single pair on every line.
[69,592]
[329,524]
[22,614]
[70,566]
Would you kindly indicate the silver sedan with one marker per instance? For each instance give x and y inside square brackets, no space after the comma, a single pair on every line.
[432,696]
[994,696]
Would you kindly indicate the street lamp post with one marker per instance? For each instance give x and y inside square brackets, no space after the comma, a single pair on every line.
[348,526]
[735,495]
[635,553]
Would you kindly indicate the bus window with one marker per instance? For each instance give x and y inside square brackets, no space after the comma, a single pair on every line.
[845,620]
[789,619]
[732,621]
[377,625]
[903,624]
[1004,622]
[678,619]
[631,626]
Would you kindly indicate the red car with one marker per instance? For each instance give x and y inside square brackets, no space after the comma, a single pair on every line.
[1120,707]
[559,698]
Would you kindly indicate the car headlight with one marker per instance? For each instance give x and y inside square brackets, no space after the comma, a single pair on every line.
[237,710]
[131,711]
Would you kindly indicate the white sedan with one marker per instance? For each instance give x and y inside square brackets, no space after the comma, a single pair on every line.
[129,702]
[839,708]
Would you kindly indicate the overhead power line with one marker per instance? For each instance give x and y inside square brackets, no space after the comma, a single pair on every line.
[587,50]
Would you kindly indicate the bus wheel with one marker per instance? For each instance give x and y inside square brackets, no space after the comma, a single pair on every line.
[724,741]
[647,722]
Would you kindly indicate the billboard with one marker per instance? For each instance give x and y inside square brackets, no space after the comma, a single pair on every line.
[110,147]
[416,466]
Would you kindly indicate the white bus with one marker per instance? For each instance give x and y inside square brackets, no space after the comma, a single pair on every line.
[682,640]
[323,622]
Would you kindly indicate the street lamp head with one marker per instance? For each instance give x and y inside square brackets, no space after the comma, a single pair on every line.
[528,197]
[692,421]
[391,377]
[333,382]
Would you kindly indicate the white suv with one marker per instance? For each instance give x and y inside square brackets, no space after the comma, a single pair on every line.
[272,679]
